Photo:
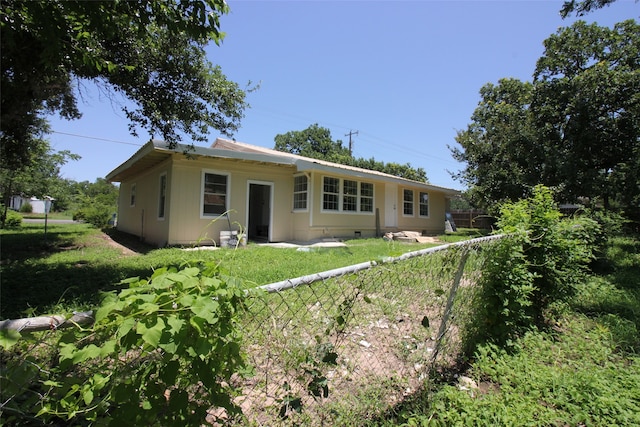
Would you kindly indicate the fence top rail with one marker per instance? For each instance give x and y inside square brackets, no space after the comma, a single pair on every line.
[329,274]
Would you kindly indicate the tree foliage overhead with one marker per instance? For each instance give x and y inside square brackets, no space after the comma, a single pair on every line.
[582,7]
[150,52]
[576,127]
[316,142]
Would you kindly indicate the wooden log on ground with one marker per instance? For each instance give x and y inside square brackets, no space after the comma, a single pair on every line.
[43,323]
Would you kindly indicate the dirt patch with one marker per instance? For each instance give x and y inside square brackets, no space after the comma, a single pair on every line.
[124,250]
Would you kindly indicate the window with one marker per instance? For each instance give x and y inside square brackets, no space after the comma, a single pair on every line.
[366,197]
[214,194]
[424,204]
[345,195]
[132,196]
[330,194]
[407,202]
[162,197]
[349,196]
[300,192]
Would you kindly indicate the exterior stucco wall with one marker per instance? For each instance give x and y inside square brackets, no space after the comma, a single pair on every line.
[431,224]
[141,218]
[189,227]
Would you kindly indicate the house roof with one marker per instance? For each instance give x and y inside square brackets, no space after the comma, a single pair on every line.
[156,151]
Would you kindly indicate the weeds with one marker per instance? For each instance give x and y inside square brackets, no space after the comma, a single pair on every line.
[585,371]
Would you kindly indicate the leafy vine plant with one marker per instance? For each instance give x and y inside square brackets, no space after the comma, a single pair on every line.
[162,351]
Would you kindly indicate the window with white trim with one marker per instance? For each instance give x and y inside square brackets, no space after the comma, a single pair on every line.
[331,194]
[349,195]
[300,191]
[424,204]
[214,194]
[366,197]
[346,195]
[132,195]
[407,202]
[162,195]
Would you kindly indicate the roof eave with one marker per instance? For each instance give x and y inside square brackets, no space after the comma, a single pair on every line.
[305,165]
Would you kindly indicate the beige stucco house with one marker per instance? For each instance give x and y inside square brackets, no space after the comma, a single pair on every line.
[186,197]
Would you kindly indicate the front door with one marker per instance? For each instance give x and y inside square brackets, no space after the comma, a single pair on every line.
[390,205]
[259,223]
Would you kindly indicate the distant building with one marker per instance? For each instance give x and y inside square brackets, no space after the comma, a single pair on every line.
[37,205]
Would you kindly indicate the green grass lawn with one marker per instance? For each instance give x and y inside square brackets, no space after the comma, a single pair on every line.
[66,269]
[51,215]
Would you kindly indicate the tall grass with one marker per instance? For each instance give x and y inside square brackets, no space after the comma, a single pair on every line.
[585,371]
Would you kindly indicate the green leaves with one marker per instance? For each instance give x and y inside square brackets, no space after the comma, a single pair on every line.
[535,267]
[150,331]
[150,52]
[8,338]
[574,128]
[152,346]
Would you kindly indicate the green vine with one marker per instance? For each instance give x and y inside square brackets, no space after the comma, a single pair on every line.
[161,352]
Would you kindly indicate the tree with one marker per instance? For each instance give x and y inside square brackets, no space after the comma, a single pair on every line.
[575,128]
[95,202]
[316,142]
[37,176]
[150,52]
[498,145]
[587,107]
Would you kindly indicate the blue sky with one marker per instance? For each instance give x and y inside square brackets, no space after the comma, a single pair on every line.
[404,74]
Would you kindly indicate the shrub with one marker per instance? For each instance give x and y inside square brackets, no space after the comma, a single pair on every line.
[26,208]
[95,214]
[536,267]
[13,220]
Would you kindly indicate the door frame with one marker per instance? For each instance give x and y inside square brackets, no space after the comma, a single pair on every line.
[390,205]
[271,192]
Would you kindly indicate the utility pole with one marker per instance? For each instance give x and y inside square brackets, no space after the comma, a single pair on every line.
[350,143]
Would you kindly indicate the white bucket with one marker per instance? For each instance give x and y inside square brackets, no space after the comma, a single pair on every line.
[229,239]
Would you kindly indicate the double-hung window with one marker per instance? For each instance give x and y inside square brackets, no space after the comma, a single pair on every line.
[407,202]
[214,194]
[331,194]
[349,196]
[300,191]
[366,197]
[424,204]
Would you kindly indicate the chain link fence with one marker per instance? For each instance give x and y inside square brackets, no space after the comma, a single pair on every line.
[346,345]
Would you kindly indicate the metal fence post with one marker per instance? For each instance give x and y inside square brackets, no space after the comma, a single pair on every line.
[447,311]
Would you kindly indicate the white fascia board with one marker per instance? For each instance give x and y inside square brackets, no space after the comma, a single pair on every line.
[143,151]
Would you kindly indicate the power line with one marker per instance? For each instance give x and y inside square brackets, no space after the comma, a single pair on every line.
[377,140]
[97,139]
